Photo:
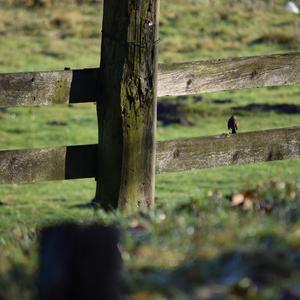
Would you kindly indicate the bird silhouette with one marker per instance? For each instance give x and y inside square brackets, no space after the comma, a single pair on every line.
[232,124]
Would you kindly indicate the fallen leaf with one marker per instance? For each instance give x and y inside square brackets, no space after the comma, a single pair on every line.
[135,224]
[249,200]
[248,204]
[237,199]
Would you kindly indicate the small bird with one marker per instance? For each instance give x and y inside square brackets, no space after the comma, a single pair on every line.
[232,124]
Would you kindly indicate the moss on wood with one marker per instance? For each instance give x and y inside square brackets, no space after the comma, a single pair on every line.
[127,104]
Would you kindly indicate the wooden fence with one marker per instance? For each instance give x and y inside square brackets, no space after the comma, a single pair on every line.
[125,87]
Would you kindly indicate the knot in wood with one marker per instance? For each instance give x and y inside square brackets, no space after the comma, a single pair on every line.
[189,82]
[176,153]
[253,74]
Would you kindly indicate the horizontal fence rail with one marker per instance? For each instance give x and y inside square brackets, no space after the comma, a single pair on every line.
[75,86]
[225,150]
[229,74]
[72,162]
[48,88]
[75,162]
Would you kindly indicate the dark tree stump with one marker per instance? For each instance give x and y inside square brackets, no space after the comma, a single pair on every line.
[79,262]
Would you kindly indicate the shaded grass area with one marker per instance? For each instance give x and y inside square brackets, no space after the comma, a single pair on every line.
[204,244]
[193,244]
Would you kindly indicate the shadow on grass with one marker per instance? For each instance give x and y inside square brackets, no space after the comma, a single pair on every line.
[222,101]
[170,113]
[17,283]
[239,273]
[265,107]
[87,205]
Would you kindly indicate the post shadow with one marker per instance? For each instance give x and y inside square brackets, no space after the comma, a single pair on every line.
[81,162]
[84,85]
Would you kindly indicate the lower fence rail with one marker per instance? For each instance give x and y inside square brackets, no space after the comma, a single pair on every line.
[74,162]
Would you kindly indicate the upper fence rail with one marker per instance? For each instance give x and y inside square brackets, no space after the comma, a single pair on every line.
[77,86]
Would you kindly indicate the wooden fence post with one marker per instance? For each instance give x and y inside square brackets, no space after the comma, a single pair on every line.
[79,262]
[126,105]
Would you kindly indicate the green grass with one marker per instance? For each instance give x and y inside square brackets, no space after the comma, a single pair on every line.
[203,242]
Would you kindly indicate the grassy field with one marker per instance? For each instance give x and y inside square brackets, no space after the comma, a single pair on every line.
[208,248]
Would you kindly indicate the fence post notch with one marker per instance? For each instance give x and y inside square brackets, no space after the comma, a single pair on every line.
[126,106]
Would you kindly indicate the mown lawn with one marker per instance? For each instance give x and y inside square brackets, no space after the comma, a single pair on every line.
[208,248]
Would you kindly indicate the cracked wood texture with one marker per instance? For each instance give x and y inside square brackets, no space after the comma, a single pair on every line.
[171,156]
[126,106]
[62,87]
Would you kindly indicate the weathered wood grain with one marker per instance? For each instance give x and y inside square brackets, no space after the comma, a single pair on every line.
[17,166]
[61,87]
[172,156]
[126,106]
[228,74]
[224,150]
[47,88]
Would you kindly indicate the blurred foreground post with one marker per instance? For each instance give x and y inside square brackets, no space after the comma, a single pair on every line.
[126,105]
[79,263]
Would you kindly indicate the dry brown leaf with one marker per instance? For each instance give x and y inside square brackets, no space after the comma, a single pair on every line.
[248,204]
[237,199]
[253,195]
[249,200]
[135,224]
